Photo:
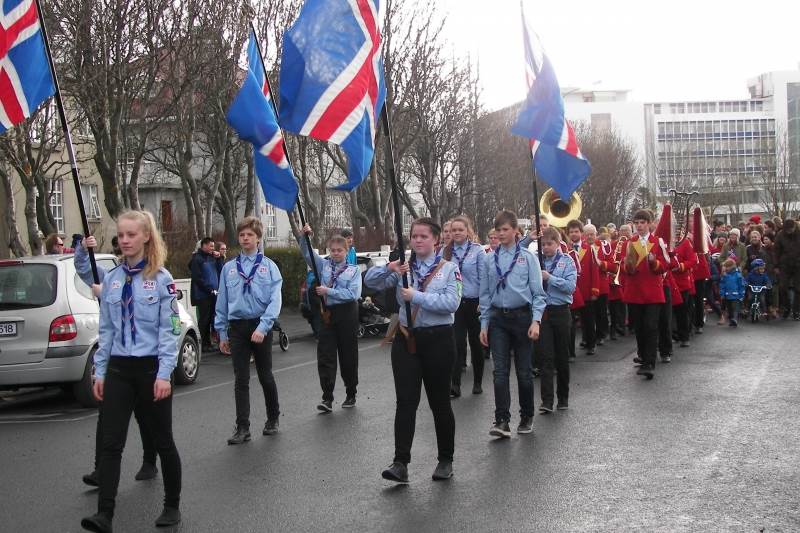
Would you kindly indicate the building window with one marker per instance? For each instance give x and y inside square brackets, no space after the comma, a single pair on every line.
[270,222]
[91,201]
[56,195]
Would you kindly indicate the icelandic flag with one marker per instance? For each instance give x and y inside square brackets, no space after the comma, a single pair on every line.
[332,86]
[556,154]
[25,80]
[252,116]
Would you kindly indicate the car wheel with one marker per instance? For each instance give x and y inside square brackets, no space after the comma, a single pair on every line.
[188,361]
[283,341]
[82,390]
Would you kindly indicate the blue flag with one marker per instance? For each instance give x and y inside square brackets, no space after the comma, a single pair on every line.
[332,86]
[557,157]
[252,116]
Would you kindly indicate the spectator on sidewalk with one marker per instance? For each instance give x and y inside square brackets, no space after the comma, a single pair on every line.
[205,283]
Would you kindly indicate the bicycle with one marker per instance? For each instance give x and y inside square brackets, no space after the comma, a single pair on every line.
[755,305]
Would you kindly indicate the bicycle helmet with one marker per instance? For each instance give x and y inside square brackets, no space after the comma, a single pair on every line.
[757,263]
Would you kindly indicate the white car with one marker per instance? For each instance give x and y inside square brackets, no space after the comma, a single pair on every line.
[49,322]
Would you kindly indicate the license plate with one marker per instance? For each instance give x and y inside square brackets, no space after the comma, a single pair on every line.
[8,329]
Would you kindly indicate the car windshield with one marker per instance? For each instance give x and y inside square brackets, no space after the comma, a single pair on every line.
[27,285]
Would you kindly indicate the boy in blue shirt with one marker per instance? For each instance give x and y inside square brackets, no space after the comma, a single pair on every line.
[512,302]
[340,289]
[248,303]
[731,290]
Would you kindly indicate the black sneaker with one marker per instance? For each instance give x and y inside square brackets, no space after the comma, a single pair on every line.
[349,402]
[601,342]
[563,405]
[734,324]
[271,427]
[637,360]
[698,331]
[241,435]
[325,406]
[525,425]
[477,389]
[500,429]
[684,344]
[100,523]
[91,479]
[169,517]
[666,359]
[455,391]
[646,371]
[397,472]
[590,351]
[147,471]
[443,471]
[613,336]
[536,372]
[546,408]
[796,316]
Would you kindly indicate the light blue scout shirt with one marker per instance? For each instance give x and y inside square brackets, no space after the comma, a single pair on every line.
[263,300]
[469,258]
[523,284]
[440,299]
[563,278]
[156,320]
[84,268]
[346,287]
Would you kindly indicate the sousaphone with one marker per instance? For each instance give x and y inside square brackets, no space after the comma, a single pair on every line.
[557,210]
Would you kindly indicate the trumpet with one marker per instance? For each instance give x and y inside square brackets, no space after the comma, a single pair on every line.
[622,239]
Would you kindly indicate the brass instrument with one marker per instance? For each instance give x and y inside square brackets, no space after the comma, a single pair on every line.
[617,259]
[631,258]
[681,199]
[557,210]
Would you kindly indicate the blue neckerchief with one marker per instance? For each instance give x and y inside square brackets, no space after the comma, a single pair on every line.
[460,260]
[421,279]
[127,298]
[335,273]
[247,279]
[501,278]
[552,267]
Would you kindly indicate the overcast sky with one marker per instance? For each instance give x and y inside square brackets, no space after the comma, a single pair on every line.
[676,50]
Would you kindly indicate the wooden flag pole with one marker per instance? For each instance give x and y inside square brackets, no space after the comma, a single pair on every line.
[398,218]
[325,312]
[67,140]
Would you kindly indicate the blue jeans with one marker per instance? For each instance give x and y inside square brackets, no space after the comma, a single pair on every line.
[509,332]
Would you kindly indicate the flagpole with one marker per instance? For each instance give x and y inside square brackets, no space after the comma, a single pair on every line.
[67,140]
[398,218]
[288,160]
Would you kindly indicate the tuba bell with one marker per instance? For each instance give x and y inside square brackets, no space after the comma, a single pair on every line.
[557,210]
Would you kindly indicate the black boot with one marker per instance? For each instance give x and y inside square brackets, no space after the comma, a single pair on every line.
[444,470]
[100,523]
[92,479]
[169,517]
[147,471]
[241,435]
[397,471]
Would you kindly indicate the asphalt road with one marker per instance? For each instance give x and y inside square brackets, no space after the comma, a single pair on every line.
[711,444]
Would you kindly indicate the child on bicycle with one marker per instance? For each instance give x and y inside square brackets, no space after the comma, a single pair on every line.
[758,277]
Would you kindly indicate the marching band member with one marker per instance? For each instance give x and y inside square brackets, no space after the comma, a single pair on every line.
[468,256]
[340,289]
[588,283]
[136,354]
[602,257]
[644,265]
[686,260]
[248,303]
[424,355]
[512,302]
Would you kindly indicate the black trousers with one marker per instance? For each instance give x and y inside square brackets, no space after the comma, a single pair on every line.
[205,316]
[789,279]
[554,352]
[148,446]
[645,323]
[601,316]
[664,332]
[588,332]
[467,326]
[618,312]
[339,338]
[242,347]
[128,386]
[573,331]
[699,309]
[431,367]
[683,314]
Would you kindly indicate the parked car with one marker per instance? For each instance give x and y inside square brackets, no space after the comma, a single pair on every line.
[49,321]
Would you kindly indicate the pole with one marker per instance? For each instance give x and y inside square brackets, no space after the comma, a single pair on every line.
[537,213]
[67,140]
[288,159]
[398,219]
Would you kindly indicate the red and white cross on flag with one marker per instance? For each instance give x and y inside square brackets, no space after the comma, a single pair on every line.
[25,80]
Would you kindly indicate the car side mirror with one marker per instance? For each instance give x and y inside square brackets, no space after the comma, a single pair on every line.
[179,294]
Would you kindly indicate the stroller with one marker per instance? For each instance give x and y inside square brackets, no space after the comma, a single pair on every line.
[374,306]
[283,338]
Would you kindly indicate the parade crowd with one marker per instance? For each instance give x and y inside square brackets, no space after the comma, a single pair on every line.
[517,299]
